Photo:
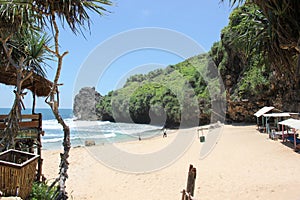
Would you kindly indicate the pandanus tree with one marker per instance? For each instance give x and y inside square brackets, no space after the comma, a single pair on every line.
[280,28]
[23,53]
[19,16]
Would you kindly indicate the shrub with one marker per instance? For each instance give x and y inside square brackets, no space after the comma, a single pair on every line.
[40,191]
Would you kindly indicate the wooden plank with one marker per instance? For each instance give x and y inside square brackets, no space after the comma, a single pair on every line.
[3,117]
[33,116]
[26,116]
[2,126]
[191,181]
[29,124]
[24,125]
[27,121]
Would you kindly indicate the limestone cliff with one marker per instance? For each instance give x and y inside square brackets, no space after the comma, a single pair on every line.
[84,106]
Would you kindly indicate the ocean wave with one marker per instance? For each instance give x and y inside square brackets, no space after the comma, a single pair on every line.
[52,124]
[152,131]
[96,130]
[80,137]
[52,135]
[52,140]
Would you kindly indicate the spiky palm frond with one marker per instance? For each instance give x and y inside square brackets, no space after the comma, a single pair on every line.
[73,12]
[248,29]
[30,47]
[37,55]
[15,17]
[282,36]
[22,17]
[284,18]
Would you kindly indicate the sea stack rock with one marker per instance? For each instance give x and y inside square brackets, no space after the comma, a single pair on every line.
[84,107]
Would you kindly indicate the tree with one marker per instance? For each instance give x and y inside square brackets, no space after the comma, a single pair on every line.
[20,15]
[23,51]
[283,31]
[240,55]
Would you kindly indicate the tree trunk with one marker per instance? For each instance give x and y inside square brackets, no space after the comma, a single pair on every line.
[12,128]
[54,104]
[298,73]
[64,164]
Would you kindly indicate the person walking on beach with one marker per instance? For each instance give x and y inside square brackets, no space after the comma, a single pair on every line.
[165,132]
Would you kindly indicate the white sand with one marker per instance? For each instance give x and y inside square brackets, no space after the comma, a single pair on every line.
[243,165]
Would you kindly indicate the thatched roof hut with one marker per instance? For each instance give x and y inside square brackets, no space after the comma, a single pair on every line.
[39,85]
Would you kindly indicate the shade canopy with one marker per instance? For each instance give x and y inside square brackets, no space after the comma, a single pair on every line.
[277,115]
[36,84]
[263,111]
[293,123]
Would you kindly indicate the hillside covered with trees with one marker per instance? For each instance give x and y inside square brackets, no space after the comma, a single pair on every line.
[160,95]
[255,67]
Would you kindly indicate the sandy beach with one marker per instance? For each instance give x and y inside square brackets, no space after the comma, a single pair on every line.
[244,164]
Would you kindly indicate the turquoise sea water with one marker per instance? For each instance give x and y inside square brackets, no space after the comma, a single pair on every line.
[99,131]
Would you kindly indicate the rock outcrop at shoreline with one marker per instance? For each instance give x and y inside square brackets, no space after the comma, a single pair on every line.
[84,107]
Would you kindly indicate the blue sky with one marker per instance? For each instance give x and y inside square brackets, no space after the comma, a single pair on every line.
[199,20]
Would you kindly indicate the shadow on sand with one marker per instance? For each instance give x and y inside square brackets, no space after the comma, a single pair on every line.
[290,145]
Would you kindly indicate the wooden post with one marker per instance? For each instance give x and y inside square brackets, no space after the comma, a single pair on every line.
[295,141]
[190,183]
[39,149]
[183,194]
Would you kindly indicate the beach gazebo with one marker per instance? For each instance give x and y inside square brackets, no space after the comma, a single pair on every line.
[38,85]
[260,113]
[295,124]
[30,130]
[277,117]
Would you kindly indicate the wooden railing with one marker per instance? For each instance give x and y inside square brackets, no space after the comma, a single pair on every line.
[30,129]
[26,121]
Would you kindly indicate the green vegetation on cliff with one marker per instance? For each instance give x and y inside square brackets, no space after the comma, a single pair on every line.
[249,61]
[243,66]
[267,33]
[162,95]
[193,84]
